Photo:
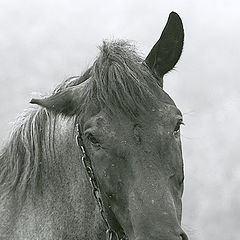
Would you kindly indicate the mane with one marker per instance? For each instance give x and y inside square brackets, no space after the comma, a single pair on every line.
[22,157]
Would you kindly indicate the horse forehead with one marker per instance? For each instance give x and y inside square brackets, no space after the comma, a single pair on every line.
[105,121]
[165,98]
[168,110]
[97,120]
[166,106]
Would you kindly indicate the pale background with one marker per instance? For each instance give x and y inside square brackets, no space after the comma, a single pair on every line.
[44,42]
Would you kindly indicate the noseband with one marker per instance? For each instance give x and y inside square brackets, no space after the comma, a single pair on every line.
[87,164]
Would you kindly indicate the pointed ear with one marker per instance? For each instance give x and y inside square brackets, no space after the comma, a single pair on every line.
[65,102]
[167,51]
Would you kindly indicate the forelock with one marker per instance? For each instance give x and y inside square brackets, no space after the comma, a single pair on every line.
[120,80]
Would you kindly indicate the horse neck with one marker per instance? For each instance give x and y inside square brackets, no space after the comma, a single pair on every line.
[56,190]
[70,181]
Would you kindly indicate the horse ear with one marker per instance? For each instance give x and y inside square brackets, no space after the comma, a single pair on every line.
[167,51]
[65,102]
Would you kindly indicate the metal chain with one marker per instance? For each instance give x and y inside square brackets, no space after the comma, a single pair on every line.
[95,189]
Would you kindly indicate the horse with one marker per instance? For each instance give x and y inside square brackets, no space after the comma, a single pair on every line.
[101,154]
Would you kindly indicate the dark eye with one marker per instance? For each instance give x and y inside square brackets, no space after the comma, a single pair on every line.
[181,181]
[177,128]
[92,139]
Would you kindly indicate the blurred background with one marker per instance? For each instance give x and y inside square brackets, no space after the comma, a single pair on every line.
[44,42]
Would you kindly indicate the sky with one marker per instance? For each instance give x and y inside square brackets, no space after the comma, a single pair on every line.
[44,42]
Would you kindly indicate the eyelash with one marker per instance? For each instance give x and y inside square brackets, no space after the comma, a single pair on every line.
[179,123]
[181,181]
[93,140]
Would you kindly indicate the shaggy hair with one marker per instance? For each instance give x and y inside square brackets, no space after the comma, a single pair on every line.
[21,158]
[118,80]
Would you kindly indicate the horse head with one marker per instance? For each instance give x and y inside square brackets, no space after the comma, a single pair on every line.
[130,129]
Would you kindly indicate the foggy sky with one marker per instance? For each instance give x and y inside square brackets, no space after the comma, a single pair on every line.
[44,42]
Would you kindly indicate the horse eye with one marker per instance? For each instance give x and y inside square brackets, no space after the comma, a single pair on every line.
[179,123]
[181,181]
[92,139]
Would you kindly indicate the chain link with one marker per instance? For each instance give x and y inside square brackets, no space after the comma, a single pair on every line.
[95,189]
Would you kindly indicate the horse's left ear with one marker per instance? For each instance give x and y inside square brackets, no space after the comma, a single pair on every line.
[167,51]
[65,102]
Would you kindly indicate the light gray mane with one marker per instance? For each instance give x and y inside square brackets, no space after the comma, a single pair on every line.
[21,158]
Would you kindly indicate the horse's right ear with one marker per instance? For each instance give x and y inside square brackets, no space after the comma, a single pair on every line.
[65,102]
[167,51]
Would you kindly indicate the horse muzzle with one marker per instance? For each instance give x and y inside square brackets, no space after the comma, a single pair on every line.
[181,236]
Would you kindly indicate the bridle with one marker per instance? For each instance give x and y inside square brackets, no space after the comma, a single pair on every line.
[86,161]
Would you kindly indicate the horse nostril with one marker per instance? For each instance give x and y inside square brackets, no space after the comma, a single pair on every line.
[184,236]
